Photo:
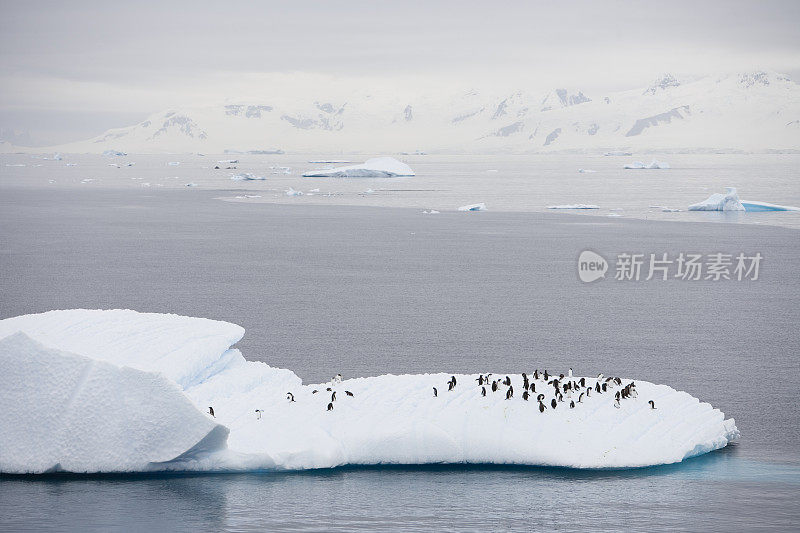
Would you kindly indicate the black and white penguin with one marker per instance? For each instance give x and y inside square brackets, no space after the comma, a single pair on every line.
[494,386]
[560,397]
[652,404]
[533,387]
[453,379]
[536,374]
[540,398]
[329,389]
[337,378]
[333,396]
[525,396]
[507,381]
[211,411]
[290,396]
[605,387]
[435,392]
[258,414]
[450,385]
[314,391]
[572,405]
[348,393]
[483,391]
[597,387]
[330,406]
[541,407]
[525,382]
[570,373]
[553,403]
[616,396]
[480,380]
[582,382]
[510,393]
[561,376]
[616,403]
[580,398]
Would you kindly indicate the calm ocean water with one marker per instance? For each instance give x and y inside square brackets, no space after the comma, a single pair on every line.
[367,290]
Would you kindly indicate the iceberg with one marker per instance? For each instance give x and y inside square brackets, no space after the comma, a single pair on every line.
[378,167]
[118,390]
[653,165]
[586,171]
[292,192]
[473,207]
[574,206]
[616,153]
[246,176]
[753,206]
[720,202]
[114,153]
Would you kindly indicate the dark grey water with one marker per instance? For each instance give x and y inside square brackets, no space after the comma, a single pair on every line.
[365,291]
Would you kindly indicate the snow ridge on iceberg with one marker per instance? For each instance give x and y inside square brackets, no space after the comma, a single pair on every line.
[378,167]
[388,419]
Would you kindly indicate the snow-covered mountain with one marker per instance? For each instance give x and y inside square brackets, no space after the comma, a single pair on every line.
[754,111]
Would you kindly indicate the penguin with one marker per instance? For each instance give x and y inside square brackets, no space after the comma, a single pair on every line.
[480,380]
[570,372]
[553,403]
[483,391]
[525,396]
[572,405]
[580,398]
[337,378]
[435,392]
[258,414]
[582,382]
[314,391]
[211,411]
[561,376]
[450,385]
[348,393]
[616,403]
[605,387]
[533,387]
[616,396]
[536,374]
[540,398]
[329,389]
[560,398]
[652,404]
[618,381]
[290,396]
[333,397]
[599,376]
[510,393]
[494,386]
[507,381]
[525,382]
[597,387]
[541,407]
[588,391]
[546,376]
[453,379]
[330,406]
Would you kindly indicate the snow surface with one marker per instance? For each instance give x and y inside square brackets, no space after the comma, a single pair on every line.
[133,393]
[377,167]
[720,202]
[653,165]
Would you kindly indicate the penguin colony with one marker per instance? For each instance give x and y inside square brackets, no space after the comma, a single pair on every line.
[565,392]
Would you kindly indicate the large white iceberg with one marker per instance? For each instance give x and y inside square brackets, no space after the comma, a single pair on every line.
[720,202]
[653,165]
[102,391]
[377,167]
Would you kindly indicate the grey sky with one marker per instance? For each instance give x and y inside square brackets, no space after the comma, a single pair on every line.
[70,70]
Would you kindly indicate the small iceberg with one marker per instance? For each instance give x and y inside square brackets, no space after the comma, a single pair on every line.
[114,153]
[191,184]
[228,161]
[574,206]
[653,165]
[473,207]
[720,202]
[430,212]
[378,167]
[617,152]
[586,171]
[292,192]
[174,163]
[280,170]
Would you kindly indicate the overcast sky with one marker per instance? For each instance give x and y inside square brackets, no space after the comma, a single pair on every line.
[69,70]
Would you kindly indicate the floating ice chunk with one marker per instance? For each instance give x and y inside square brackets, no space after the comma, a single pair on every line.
[720,202]
[573,206]
[314,190]
[191,184]
[431,212]
[15,164]
[184,365]
[246,176]
[378,167]
[586,171]
[753,206]
[113,165]
[617,152]
[72,164]
[87,180]
[368,191]
[246,196]
[51,181]
[114,153]
[292,192]
[670,210]
[331,161]
[228,161]
[174,163]
[653,165]
[473,207]
[280,170]
[57,157]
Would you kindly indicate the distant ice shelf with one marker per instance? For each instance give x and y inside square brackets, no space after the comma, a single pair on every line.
[122,391]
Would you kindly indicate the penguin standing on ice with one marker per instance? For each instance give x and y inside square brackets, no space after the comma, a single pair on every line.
[348,393]
[580,398]
[479,380]
[314,391]
[494,386]
[333,397]
[572,405]
[435,392]
[290,396]
[541,407]
[525,382]
[597,387]
[570,373]
[211,411]
[453,379]
[652,404]
[540,398]
[533,387]
[483,391]
[337,378]
[258,414]
[553,403]
[536,374]
[525,396]
[546,376]
[330,406]
[450,385]
[510,392]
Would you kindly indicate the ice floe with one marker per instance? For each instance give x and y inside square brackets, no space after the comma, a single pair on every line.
[653,165]
[586,171]
[473,207]
[720,202]
[112,391]
[430,212]
[378,167]
[574,206]
[617,153]
[291,192]
[246,176]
